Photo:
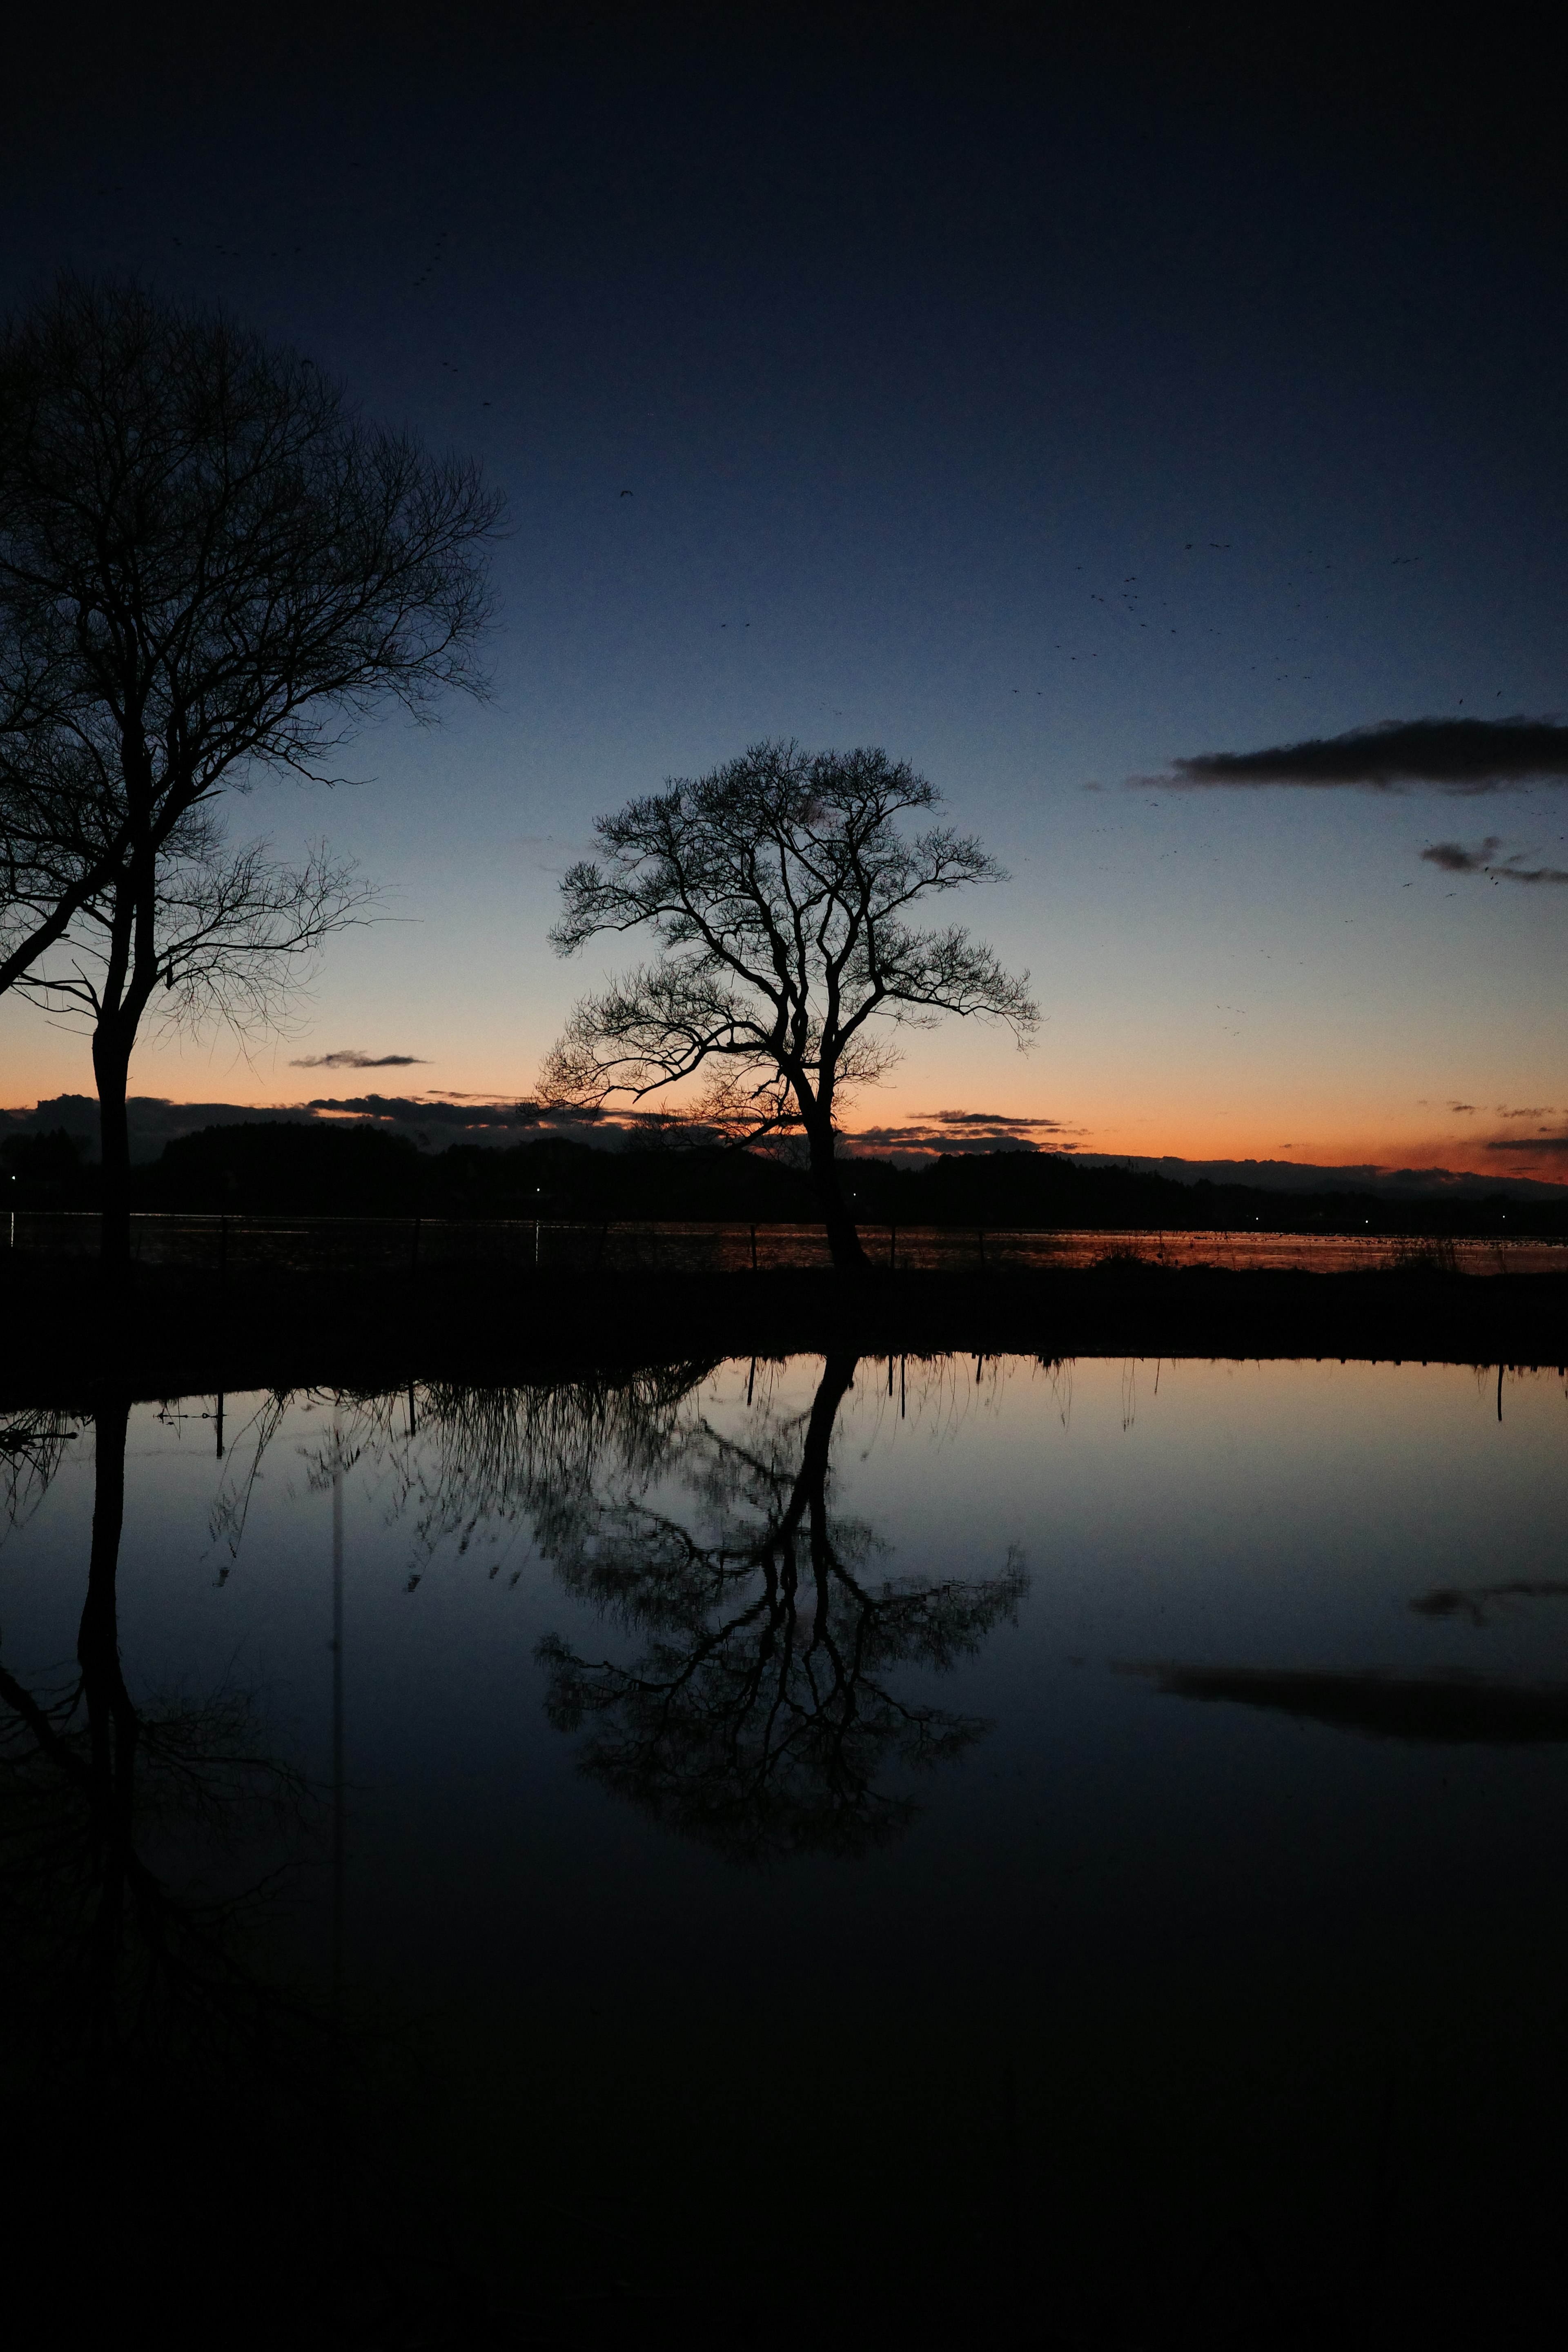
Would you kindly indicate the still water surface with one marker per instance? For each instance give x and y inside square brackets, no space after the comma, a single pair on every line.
[1084,1819]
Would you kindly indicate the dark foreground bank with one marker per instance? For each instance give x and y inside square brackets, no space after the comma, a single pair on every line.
[170,1332]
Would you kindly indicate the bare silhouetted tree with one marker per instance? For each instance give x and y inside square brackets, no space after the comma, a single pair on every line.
[779,888]
[209,567]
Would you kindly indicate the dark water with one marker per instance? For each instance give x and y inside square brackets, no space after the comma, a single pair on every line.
[1026,1852]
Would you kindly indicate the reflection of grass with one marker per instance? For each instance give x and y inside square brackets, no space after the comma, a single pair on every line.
[1422,1255]
[1120,1259]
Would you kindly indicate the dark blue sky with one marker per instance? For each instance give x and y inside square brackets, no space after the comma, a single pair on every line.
[1043,404]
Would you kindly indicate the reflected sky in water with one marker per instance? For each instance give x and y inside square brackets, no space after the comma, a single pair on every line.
[963,1668]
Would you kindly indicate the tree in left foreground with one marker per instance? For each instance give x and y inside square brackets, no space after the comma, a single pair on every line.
[211,568]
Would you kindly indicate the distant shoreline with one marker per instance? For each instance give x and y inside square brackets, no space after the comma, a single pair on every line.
[179,1333]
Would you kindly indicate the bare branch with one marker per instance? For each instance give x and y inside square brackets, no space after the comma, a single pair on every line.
[777,890]
[235,936]
[211,568]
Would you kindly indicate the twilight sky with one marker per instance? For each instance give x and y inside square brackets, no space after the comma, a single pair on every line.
[1046,406]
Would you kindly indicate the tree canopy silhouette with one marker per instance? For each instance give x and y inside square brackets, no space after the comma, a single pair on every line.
[779,889]
[210,567]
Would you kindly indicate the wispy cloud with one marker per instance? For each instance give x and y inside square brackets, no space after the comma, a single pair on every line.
[1457,755]
[1532,1143]
[349,1057]
[1453,857]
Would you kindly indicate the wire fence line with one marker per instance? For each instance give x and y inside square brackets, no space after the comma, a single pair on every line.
[218,1243]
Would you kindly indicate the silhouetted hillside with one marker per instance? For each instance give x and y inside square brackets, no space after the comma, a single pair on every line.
[281,1167]
[284,1166]
[48,1172]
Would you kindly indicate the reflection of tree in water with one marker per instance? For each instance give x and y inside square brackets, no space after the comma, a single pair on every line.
[90,1780]
[462,1464]
[518,1458]
[765,1706]
[181,2095]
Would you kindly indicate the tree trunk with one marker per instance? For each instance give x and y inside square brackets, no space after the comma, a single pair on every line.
[111,1044]
[98,1638]
[843,1240]
[114,1729]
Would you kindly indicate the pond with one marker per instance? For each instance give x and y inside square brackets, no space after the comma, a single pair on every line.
[223,1245]
[1066,1850]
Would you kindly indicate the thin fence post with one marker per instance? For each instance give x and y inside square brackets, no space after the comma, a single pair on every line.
[753,1249]
[981,1237]
[413,1255]
[892,1249]
[222,1246]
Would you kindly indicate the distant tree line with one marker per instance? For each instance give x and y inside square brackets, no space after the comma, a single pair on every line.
[282,1167]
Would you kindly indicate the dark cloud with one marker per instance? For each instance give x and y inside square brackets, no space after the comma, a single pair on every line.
[989,1118]
[1453,857]
[931,1132]
[928,1142]
[1461,1106]
[461,1119]
[408,1108]
[1458,755]
[1554,1144]
[1512,870]
[154,1121]
[349,1057]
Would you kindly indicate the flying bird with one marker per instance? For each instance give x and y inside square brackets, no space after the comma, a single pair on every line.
[628,494]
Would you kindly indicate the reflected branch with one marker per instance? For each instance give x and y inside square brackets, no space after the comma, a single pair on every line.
[763,1716]
[32,1447]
